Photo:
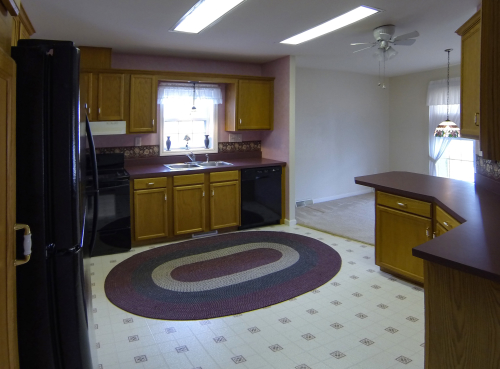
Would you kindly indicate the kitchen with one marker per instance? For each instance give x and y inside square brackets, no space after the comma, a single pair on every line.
[279,144]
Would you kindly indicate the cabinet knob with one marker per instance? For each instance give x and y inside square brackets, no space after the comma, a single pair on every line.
[446,224]
[402,205]
[475,119]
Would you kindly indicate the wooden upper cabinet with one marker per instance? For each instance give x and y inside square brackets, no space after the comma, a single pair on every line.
[250,105]
[143,90]
[111,96]
[470,77]
[85,95]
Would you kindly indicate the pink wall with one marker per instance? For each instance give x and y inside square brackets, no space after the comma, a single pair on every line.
[168,63]
[275,144]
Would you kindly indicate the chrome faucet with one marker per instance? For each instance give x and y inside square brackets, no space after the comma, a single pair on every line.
[191,156]
[207,157]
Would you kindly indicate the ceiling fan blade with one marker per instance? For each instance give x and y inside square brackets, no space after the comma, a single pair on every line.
[408,42]
[362,43]
[357,51]
[407,36]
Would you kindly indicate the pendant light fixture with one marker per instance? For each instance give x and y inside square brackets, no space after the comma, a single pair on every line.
[193,109]
[447,128]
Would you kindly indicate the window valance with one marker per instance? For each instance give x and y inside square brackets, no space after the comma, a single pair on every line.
[182,90]
[436,92]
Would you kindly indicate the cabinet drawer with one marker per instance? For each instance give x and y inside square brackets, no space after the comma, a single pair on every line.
[189,179]
[224,176]
[147,183]
[445,219]
[421,208]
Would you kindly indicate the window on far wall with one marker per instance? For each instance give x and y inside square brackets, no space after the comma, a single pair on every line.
[457,161]
[177,120]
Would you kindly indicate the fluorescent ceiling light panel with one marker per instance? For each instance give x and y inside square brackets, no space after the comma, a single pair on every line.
[332,25]
[204,13]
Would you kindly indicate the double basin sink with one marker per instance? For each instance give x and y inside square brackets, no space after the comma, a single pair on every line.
[197,165]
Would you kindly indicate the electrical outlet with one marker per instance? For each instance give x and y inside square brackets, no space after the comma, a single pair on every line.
[235,137]
[138,141]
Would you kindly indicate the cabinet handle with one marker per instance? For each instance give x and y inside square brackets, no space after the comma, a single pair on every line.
[99,110]
[446,224]
[27,244]
[203,193]
[475,119]
[89,110]
[402,205]
[153,122]
[213,193]
[165,197]
[150,184]
[434,235]
[427,232]
[240,121]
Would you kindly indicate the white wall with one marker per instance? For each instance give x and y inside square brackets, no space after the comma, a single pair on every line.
[409,119]
[342,131]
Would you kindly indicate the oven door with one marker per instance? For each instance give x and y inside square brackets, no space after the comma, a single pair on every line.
[113,225]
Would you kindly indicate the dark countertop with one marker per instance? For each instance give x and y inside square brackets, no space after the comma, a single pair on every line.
[472,247]
[151,170]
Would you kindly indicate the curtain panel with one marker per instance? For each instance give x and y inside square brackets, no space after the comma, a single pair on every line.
[182,90]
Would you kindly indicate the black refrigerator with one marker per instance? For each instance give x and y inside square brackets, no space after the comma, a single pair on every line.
[54,309]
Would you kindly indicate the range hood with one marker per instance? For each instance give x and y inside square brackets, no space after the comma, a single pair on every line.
[100,128]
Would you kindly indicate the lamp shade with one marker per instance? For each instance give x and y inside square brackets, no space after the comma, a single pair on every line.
[447,129]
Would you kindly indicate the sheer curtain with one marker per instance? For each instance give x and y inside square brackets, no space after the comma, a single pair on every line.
[179,90]
[436,100]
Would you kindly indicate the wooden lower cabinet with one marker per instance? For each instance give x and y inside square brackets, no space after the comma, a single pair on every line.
[224,204]
[397,233]
[150,214]
[189,209]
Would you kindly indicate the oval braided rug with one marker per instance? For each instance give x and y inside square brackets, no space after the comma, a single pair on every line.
[222,275]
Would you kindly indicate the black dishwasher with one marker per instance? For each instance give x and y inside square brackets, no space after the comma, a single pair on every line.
[260,197]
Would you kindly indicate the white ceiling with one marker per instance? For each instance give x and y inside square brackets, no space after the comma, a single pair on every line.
[253,30]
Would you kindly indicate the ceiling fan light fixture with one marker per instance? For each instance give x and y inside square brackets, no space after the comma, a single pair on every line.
[343,20]
[203,14]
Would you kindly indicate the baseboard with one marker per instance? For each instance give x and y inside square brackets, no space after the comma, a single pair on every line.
[330,198]
[290,223]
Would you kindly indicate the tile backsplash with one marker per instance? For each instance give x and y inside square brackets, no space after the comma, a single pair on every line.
[488,168]
[154,150]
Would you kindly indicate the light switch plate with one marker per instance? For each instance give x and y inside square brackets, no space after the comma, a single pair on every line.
[235,137]
[138,141]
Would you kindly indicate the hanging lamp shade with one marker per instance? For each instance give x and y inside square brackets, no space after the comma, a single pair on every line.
[447,128]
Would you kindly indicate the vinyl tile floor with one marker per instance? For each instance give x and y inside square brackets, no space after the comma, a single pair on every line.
[361,319]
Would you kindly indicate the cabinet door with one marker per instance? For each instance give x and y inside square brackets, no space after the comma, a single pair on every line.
[189,209]
[142,104]
[471,61]
[255,105]
[85,95]
[150,214]
[111,96]
[224,204]
[397,233]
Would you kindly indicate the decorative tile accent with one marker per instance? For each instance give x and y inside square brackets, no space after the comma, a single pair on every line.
[351,262]
[401,297]
[382,306]
[336,303]
[302,366]
[335,284]
[417,289]
[285,320]
[361,316]
[357,294]
[488,168]
[140,359]
[219,339]
[391,330]
[238,359]
[363,246]
[237,315]
[93,296]
[334,244]
[254,330]
[275,348]
[112,261]
[181,349]
[133,338]
[91,264]
[376,286]
[128,320]
[336,325]
[205,322]
[422,344]
[392,279]
[293,299]
[366,257]
[244,146]
[354,277]
[308,336]
[404,360]
[349,250]
[170,330]
[129,152]
[94,310]
[337,354]
[96,326]
[312,311]
[367,342]
[412,319]
[98,345]
[371,271]
[100,366]
[316,291]
[93,284]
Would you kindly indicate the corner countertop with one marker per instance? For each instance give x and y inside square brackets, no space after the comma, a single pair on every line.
[472,247]
[151,170]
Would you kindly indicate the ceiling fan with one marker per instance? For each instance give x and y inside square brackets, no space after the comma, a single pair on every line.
[384,41]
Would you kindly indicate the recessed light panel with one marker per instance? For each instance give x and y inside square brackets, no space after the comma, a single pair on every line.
[332,25]
[204,13]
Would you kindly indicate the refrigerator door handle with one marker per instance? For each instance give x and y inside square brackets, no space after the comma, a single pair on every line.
[95,184]
[26,243]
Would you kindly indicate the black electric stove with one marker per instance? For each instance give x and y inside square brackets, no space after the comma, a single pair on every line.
[113,224]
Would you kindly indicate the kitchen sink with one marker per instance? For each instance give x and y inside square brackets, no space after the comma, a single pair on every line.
[183,166]
[214,164]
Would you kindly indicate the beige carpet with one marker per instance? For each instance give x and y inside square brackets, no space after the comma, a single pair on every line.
[350,217]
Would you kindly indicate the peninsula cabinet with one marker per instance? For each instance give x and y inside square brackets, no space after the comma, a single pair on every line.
[443,222]
[401,224]
[224,200]
[470,77]
[143,90]
[189,203]
[150,208]
[250,105]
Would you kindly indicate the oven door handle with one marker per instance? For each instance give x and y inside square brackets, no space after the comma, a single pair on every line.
[103,189]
